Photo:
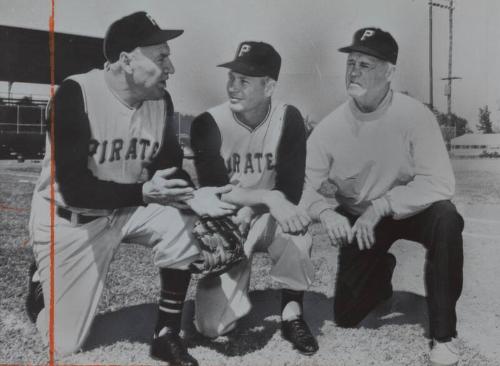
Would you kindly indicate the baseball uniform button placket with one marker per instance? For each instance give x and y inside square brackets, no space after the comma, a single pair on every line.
[75,218]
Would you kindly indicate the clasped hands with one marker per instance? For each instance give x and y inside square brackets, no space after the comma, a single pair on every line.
[205,201]
[164,189]
[341,232]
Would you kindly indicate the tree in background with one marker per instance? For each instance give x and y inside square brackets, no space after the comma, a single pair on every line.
[485,124]
[26,101]
[457,123]
[451,126]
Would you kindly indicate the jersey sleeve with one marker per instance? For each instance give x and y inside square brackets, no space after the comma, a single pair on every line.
[78,186]
[206,143]
[170,153]
[291,157]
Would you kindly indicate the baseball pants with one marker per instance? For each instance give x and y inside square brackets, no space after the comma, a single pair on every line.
[222,300]
[364,276]
[83,254]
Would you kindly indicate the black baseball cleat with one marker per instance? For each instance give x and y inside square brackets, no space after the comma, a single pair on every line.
[169,348]
[34,300]
[299,335]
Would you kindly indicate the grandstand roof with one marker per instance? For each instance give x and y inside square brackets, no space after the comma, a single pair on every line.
[26,58]
[477,139]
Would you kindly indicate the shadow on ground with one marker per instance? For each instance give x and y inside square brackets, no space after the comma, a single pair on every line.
[256,329]
[136,323]
[402,308]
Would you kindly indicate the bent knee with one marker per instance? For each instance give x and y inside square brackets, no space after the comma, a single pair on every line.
[67,340]
[206,328]
[343,317]
[67,344]
[211,329]
[344,322]
[447,216]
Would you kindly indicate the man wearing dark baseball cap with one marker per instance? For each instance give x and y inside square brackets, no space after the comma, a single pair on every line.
[255,59]
[135,30]
[385,154]
[118,178]
[374,42]
[257,145]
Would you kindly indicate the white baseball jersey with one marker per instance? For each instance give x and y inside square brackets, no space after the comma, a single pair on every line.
[123,140]
[250,154]
[269,156]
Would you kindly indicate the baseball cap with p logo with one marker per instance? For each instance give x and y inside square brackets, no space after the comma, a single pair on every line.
[135,30]
[374,42]
[255,59]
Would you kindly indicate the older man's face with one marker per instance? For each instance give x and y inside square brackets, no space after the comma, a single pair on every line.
[364,74]
[151,67]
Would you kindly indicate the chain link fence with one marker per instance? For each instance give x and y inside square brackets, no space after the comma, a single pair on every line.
[20,119]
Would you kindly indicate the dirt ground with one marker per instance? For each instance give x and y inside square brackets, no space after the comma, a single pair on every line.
[393,334]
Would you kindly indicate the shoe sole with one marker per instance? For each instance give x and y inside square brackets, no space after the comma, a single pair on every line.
[153,356]
[158,358]
[305,353]
[163,360]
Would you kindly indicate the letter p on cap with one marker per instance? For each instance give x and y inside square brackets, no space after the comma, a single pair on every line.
[367,33]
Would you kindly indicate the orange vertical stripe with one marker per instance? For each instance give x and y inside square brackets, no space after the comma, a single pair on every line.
[52,182]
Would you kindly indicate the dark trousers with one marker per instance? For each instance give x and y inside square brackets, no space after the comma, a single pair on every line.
[364,276]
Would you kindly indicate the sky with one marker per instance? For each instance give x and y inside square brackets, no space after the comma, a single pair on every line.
[307,34]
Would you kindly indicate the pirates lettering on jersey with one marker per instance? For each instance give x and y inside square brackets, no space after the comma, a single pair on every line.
[250,163]
[117,149]
[121,149]
[250,154]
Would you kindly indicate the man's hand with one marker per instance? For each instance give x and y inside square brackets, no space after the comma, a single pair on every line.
[337,227]
[205,201]
[291,218]
[243,219]
[364,228]
[159,189]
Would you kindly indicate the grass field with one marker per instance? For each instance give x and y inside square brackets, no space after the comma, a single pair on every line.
[394,334]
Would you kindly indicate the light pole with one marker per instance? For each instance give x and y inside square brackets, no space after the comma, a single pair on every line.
[450,78]
[431,92]
[450,55]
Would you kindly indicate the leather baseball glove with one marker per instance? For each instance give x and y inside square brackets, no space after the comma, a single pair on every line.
[221,245]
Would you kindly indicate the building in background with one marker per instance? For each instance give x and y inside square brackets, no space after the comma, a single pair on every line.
[476,145]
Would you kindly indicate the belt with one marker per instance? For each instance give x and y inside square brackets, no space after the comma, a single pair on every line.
[75,218]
